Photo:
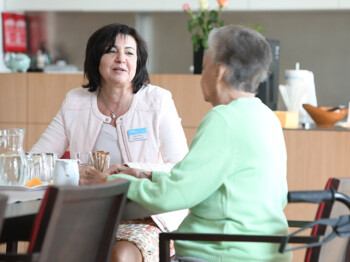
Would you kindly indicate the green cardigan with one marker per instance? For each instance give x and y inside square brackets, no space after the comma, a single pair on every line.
[233,180]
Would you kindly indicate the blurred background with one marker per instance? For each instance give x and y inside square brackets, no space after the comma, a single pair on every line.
[318,39]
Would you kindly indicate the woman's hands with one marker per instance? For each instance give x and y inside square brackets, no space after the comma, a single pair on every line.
[91,176]
[138,173]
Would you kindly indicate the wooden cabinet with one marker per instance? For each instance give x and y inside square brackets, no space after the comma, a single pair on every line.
[31,100]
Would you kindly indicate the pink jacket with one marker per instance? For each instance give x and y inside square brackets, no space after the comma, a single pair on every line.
[79,121]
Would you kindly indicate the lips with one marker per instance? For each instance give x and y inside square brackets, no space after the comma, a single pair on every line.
[119,69]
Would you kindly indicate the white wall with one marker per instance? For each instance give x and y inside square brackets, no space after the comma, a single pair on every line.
[320,41]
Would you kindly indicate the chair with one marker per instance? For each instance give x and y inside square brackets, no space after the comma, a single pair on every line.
[336,250]
[3,202]
[75,224]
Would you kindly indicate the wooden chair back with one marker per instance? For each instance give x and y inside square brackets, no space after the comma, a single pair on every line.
[78,223]
[3,202]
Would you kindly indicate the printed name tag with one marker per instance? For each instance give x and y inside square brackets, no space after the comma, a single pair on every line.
[137,134]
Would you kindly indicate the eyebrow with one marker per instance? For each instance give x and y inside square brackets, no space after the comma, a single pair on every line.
[128,47]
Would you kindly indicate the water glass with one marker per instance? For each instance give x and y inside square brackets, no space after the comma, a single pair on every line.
[38,166]
[83,158]
[51,160]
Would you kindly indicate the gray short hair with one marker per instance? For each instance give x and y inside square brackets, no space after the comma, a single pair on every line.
[244,52]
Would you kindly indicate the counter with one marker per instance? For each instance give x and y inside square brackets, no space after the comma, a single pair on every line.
[31,100]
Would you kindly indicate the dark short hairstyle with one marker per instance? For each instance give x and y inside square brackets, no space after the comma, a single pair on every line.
[245,53]
[102,42]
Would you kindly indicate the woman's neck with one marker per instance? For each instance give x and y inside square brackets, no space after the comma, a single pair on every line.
[229,93]
[117,100]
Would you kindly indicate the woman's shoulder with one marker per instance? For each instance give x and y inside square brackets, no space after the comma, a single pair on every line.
[78,97]
[78,92]
[153,96]
[154,91]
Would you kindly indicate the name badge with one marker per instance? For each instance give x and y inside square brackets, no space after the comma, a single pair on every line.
[137,134]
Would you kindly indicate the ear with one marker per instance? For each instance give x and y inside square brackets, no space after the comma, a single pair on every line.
[220,72]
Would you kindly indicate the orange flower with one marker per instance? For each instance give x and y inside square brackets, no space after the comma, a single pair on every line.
[222,3]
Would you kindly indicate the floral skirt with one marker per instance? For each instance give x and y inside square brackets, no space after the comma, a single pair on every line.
[143,233]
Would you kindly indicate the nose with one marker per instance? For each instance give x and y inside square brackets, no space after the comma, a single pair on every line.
[120,57]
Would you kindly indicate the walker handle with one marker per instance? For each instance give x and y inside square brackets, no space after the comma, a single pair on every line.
[312,196]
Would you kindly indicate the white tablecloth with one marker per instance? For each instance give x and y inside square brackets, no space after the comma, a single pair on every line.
[22,193]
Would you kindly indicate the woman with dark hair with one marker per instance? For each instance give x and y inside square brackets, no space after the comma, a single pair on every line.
[233,179]
[118,111]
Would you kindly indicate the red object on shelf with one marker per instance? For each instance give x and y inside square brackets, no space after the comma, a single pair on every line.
[14,32]
[37,35]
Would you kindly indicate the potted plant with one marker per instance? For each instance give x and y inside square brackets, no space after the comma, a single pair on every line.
[199,25]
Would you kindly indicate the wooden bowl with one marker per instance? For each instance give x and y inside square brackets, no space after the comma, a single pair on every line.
[324,118]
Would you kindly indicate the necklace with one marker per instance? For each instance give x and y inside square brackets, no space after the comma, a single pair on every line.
[103,101]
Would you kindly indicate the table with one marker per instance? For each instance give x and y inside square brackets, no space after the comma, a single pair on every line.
[131,210]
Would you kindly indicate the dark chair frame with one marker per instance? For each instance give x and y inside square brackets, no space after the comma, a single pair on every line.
[63,210]
[164,240]
[3,203]
[326,197]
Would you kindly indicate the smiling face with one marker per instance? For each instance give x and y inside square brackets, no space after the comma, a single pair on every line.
[118,65]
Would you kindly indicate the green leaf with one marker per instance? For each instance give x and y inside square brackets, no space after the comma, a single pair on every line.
[200,21]
[195,38]
[213,16]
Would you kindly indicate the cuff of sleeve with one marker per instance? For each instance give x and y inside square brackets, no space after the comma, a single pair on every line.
[156,175]
[113,177]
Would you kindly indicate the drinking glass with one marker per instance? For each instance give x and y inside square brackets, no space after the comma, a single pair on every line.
[51,160]
[83,158]
[38,167]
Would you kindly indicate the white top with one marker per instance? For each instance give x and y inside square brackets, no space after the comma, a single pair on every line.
[107,141]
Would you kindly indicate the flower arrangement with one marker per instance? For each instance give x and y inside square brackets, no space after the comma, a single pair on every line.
[203,21]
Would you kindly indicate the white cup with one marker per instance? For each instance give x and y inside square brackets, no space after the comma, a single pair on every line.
[66,172]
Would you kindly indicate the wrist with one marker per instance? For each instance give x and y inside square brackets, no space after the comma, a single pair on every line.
[105,176]
[145,174]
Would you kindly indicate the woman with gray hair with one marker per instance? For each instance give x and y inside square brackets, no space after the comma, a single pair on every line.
[234,177]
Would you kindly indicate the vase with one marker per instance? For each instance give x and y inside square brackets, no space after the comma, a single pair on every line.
[198,60]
